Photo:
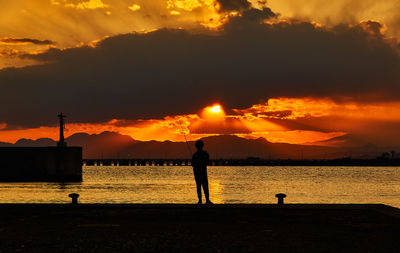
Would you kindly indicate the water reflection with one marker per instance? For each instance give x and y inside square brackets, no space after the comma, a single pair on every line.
[227,185]
[216,191]
[62,186]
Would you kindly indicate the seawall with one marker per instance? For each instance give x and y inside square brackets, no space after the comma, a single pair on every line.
[40,164]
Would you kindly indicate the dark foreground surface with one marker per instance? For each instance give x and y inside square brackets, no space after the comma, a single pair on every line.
[192,228]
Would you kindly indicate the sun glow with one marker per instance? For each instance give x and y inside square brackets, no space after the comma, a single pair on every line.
[284,120]
[213,112]
[216,109]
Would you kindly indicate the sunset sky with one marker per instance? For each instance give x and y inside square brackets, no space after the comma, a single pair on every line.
[291,71]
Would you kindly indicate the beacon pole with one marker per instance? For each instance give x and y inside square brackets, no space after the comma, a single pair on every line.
[62,142]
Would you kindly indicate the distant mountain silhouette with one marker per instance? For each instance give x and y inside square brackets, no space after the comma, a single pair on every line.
[223,146]
[43,142]
[105,144]
[228,146]
[6,144]
[115,145]
[347,140]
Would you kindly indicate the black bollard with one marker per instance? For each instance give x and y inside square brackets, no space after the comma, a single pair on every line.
[74,197]
[280,197]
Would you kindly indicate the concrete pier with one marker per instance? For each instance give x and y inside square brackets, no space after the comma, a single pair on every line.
[40,164]
[198,228]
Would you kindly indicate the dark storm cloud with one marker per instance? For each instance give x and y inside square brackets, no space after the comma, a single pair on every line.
[25,41]
[372,26]
[248,13]
[272,114]
[169,72]
[234,5]
[249,19]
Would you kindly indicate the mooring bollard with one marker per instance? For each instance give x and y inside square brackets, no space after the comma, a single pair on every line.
[74,197]
[280,197]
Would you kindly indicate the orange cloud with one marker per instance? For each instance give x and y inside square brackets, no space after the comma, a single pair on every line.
[134,7]
[340,11]
[211,121]
[269,121]
[187,5]
[295,108]
[90,4]
[24,41]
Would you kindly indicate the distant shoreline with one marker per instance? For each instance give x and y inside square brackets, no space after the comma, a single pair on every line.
[379,162]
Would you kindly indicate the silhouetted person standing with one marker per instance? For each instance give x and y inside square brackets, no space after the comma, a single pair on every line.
[200,161]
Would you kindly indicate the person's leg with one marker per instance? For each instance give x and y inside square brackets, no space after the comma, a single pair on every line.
[205,188]
[198,186]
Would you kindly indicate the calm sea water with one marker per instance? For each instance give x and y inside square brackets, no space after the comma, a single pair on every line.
[166,184]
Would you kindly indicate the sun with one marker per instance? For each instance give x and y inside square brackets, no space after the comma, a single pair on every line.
[216,109]
[213,112]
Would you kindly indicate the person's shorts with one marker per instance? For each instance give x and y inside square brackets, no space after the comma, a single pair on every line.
[200,177]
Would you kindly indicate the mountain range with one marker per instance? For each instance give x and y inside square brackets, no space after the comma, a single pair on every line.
[115,145]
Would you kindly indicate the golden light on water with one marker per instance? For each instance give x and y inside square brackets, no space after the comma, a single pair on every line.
[227,185]
[217,188]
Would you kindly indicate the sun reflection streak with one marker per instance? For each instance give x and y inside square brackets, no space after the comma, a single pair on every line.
[217,190]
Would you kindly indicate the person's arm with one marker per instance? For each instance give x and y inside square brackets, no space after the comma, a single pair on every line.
[194,160]
[207,160]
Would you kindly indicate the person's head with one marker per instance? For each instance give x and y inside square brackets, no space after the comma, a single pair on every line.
[199,144]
